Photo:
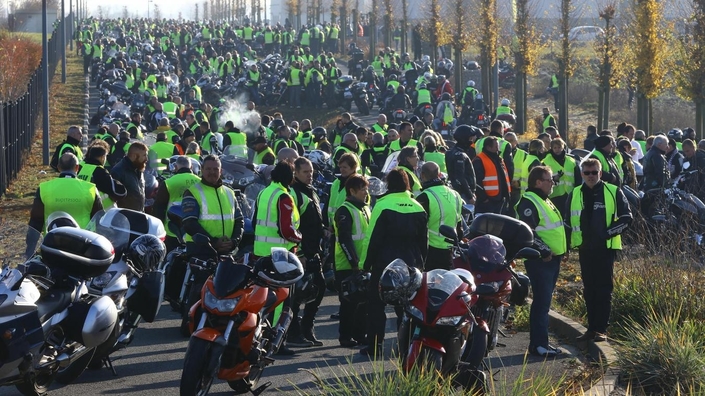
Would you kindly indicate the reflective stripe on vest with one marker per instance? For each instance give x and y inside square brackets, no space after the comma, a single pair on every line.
[217,206]
[576,208]
[491,181]
[448,213]
[550,228]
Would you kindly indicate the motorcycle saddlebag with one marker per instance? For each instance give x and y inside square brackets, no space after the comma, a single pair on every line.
[77,252]
[147,297]
[514,233]
[91,322]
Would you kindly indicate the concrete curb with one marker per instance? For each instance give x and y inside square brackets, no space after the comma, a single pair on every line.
[600,352]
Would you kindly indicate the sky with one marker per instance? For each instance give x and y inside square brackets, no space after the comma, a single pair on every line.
[138,8]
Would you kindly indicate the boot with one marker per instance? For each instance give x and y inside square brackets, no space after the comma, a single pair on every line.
[309,335]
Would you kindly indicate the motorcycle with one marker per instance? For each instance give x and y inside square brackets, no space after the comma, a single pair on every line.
[234,339]
[135,290]
[501,239]
[360,95]
[343,93]
[51,324]
[507,76]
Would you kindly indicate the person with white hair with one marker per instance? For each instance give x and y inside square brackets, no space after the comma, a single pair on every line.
[656,173]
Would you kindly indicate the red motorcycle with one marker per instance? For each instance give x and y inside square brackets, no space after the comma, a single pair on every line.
[437,322]
[496,241]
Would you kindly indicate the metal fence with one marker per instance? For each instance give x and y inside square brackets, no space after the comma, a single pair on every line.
[18,118]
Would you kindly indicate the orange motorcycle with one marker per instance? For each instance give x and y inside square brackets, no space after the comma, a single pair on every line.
[239,322]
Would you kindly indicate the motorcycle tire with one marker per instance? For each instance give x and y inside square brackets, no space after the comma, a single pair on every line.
[364,108]
[37,384]
[75,369]
[430,359]
[475,349]
[200,367]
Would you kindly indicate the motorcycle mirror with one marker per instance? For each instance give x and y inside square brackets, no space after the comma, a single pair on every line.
[449,233]
[528,253]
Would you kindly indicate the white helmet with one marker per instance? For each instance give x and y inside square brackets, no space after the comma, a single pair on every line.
[505,102]
[471,83]
[427,75]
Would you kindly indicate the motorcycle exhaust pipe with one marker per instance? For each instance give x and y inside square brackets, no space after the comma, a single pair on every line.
[65,359]
[282,327]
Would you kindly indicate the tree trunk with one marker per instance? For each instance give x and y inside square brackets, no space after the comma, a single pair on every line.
[606,108]
[699,121]
[458,72]
[563,109]
[520,125]
[600,107]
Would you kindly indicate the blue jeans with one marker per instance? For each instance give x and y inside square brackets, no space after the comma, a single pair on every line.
[543,276]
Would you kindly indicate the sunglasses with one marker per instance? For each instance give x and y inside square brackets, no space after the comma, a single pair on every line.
[587,173]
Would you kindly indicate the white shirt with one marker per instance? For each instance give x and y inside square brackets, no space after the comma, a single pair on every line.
[639,154]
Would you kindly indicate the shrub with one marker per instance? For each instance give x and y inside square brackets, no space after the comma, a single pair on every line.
[19,57]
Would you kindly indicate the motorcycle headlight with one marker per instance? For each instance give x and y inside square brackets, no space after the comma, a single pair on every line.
[101,281]
[449,321]
[225,305]
[227,177]
[246,180]
[415,312]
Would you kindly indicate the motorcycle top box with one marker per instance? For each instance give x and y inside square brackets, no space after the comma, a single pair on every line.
[77,252]
[345,80]
[515,234]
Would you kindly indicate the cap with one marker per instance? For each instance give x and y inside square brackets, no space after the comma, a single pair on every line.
[188,133]
[602,141]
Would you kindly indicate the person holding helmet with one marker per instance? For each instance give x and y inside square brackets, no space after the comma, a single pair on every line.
[66,193]
[443,206]
[351,221]
[301,333]
[538,212]
[493,185]
[598,213]
[469,94]
[458,163]
[398,229]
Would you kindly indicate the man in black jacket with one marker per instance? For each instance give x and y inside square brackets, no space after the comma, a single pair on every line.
[694,184]
[373,158]
[301,334]
[130,172]
[93,170]
[656,173]
[589,143]
[460,170]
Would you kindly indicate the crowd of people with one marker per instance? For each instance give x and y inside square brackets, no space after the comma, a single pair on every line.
[569,202]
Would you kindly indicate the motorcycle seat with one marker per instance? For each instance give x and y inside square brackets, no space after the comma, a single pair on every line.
[53,302]
[487,288]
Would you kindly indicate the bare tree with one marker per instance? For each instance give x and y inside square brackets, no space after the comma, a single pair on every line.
[525,57]
[566,67]
[404,24]
[488,45]
[100,12]
[206,14]
[157,12]
[195,16]
[459,40]
[125,13]
[434,29]
[690,75]
[388,23]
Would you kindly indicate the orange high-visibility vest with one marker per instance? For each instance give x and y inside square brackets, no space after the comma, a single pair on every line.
[491,180]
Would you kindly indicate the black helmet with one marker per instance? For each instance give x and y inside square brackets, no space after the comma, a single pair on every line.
[392,77]
[353,289]
[445,96]
[676,134]
[472,65]
[486,253]
[60,219]
[281,269]
[276,124]
[305,290]
[319,133]
[520,289]
[146,253]
[399,282]
[464,132]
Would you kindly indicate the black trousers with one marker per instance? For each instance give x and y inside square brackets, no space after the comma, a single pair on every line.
[376,317]
[438,259]
[596,268]
[310,309]
[353,316]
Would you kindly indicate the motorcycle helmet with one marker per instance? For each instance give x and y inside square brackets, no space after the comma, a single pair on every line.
[466,276]
[472,65]
[60,219]
[441,77]
[319,159]
[392,77]
[471,83]
[174,122]
[464,132]
[689,133]
[520,289]
[318,134]
[486,253]
[146,253]
[676,134]
[399,282]
[445,96]
[276,124]
[505,102]
[305,290]
[376,186]
[281,269]
[370,68]
[354,288]
[427,76]
[425,58]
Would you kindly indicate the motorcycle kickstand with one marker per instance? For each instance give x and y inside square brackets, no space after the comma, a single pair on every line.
[261,388]
[109,363]
[489,370]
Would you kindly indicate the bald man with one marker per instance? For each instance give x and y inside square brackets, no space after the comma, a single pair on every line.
[71,145]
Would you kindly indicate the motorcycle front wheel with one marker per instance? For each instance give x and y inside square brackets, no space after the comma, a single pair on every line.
[37,383]
[430,360]
[200,366]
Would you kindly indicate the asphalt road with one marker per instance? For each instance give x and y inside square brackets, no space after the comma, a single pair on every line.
[153,363]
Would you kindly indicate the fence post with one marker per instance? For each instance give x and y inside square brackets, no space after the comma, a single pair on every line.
[3,145]
[45,84]
[63,42]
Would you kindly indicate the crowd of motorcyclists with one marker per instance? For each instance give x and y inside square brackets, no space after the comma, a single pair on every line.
[322,197]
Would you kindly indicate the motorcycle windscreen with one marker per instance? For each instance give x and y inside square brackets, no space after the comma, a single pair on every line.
[440,284]
[229,277]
